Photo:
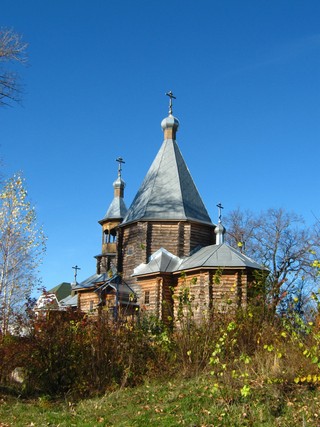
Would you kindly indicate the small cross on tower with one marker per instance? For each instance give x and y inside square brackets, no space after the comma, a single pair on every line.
[220,207]
[120,161]
[76,268]
[171,96]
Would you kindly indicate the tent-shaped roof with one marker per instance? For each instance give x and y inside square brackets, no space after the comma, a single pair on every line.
[168,191]
[117,208]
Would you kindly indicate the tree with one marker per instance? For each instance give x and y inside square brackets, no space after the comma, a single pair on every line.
[22,244]
[280,241]
[12,50]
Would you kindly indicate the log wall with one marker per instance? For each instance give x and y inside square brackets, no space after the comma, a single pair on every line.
[202,292]
[138,241]
[159,302]
[229,290]
[87,301]
[192,296]
[201,235]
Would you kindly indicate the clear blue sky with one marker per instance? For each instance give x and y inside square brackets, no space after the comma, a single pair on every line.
[247,79]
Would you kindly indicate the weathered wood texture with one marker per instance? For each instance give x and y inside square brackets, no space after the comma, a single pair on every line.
[105,262]
[155,297]
[169,296]
[140,240]
[202,292]
[88,300]
[201,235]
[196,294]
[192,296]
[229,290]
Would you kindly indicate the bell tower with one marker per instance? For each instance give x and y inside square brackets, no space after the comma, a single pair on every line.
[117,210]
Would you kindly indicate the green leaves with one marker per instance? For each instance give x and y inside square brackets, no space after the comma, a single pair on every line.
[21,249]
[245,391]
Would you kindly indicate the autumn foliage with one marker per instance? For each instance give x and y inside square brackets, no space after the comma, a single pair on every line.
[71,353]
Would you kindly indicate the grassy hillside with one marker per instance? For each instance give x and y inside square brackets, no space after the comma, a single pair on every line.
[170,403]
[239,369]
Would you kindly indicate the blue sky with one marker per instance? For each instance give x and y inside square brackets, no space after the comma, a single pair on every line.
[246,75]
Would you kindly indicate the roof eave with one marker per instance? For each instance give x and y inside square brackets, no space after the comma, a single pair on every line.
[185,219]
[151,274]
[226,267]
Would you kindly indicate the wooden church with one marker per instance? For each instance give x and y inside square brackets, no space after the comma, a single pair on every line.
[165,249]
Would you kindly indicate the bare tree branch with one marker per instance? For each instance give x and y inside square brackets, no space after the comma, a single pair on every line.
[280,241]
[12,50]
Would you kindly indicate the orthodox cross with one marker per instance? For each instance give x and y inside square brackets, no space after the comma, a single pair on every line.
[219,206]
[171,96]
[120,161]
[76,268]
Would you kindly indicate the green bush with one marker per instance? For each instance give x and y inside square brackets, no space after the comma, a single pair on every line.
[69,353]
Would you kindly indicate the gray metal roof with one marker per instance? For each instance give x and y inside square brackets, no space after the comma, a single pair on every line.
[222,255]
[70,301]
[213,256]
[103,281]
[168,191]
[117,209]
[161,261]
[92,281]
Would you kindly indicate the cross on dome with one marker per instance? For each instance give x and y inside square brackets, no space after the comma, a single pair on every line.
[76,268]
[120,161]
[171,96]
[220,207]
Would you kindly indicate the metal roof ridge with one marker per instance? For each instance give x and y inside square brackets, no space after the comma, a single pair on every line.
[168,191]
[176,149]
[155,177]
[145,205]
[244,257]
[203,250]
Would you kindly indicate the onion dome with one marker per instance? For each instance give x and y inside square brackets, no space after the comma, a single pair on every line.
[220,232]
[170,126]
[119,186]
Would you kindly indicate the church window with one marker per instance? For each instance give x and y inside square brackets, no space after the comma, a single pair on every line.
[147,297]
